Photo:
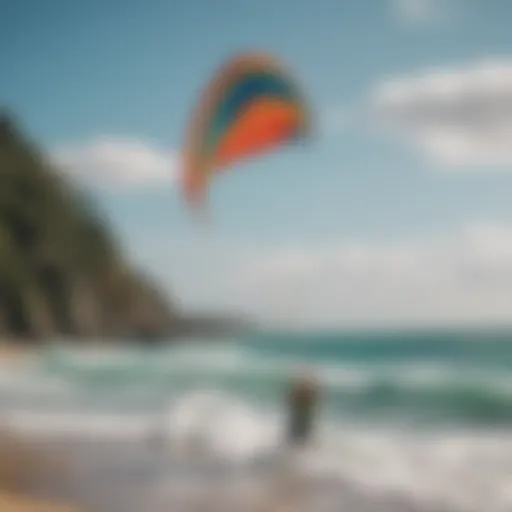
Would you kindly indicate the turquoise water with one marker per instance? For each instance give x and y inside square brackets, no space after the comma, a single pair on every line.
[437,377]
[450,376]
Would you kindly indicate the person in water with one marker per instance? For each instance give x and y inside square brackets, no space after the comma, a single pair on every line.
[302,402]
[289,485]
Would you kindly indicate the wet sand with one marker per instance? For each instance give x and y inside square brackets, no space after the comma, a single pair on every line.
[130,477]
[24,467]
[15,352]
[11,502]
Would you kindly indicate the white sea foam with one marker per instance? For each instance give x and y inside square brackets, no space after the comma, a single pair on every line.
[28,381]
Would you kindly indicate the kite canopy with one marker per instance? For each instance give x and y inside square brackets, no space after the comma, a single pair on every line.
[251,107]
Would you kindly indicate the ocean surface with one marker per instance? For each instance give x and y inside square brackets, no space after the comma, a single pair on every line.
[408,420]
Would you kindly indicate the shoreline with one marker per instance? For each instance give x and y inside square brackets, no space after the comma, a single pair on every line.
[23,467]
[21,502]
[16,352]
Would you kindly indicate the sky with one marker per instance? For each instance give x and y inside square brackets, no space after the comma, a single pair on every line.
[397,212]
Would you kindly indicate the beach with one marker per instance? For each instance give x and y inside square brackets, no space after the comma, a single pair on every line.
[125,477]
[25,469]
[15,503]
[408,423]
[15,352]
[17,460]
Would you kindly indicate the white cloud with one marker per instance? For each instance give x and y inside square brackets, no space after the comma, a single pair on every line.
[458,117]
[464,276]
[117,161]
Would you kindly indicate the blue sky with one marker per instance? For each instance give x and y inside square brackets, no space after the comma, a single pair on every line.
[398,199]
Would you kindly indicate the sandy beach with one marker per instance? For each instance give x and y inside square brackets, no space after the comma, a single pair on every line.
[19,463]
[15,351]
[10,502]
[24,467]
[129,477]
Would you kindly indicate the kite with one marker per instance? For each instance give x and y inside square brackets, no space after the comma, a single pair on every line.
[251,107]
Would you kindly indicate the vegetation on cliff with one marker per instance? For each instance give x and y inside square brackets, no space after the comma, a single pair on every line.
[62,271]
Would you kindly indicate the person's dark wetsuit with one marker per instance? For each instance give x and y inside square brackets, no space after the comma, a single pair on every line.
[302,401]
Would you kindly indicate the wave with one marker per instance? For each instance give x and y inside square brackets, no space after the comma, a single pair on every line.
[234,359]
[30,381]
[419,391]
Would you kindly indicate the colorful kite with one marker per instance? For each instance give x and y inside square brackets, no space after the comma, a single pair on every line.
[251,107]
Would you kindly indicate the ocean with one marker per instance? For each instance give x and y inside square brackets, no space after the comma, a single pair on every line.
[407,420]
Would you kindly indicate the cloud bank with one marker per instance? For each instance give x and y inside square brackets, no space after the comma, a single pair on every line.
[461,118]
[458,277]
[117,162]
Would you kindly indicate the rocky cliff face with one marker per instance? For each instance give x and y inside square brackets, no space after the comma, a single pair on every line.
[62,272]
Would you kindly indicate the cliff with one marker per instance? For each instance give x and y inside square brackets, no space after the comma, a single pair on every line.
[62,271]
